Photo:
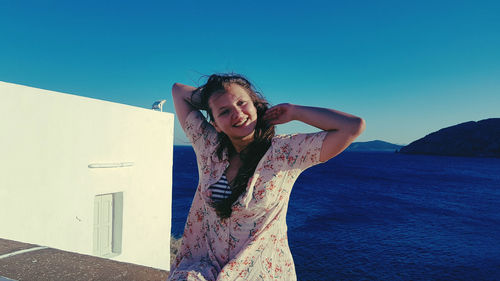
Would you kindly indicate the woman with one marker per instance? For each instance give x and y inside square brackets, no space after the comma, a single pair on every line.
[236,227]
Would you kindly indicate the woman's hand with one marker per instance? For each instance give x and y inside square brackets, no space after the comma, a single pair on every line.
[280,114]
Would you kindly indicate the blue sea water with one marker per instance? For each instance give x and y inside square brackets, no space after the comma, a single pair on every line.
[383,216]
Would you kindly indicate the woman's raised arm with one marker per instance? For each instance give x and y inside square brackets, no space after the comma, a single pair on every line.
[342,127]
[181,95]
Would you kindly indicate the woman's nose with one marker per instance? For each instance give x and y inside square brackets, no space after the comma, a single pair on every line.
[237,112]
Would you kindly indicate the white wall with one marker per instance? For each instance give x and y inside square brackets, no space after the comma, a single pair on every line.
[47,190]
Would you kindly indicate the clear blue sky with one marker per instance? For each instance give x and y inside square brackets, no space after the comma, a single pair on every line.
[407,67]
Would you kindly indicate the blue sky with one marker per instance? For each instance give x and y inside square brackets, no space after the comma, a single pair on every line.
[407,67]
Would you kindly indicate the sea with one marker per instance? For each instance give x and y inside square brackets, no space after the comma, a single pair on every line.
[383,216]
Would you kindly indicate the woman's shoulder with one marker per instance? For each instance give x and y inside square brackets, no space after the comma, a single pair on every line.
[280,137]
[296,136]
[299,150]
[300,141]
[284,138]
[282,141]
[200,132]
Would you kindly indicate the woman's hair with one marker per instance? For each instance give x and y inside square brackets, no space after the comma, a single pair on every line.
[251,155]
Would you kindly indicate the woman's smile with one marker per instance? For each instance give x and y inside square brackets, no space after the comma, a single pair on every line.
[241,122]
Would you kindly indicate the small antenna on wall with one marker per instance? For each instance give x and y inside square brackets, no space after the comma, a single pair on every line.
[158,105]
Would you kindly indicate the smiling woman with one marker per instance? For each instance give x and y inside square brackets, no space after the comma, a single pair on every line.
[236,227]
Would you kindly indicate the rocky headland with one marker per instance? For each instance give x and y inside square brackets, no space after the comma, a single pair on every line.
[376,145]
[472,139]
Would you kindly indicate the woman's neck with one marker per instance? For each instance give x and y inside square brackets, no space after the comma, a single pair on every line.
[240,144]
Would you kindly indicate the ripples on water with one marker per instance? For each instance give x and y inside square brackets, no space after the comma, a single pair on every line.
[384,216]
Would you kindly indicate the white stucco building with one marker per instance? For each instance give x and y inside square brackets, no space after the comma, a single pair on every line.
[85,175]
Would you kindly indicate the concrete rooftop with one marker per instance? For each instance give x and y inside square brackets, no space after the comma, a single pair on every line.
[25,262]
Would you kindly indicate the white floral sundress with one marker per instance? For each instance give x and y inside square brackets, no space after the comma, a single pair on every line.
[252,244]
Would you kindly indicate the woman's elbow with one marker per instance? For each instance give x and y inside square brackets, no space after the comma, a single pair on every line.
[175,88]
[358,126]
[180,91]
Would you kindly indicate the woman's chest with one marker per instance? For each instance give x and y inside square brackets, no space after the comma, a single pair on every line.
[234,167]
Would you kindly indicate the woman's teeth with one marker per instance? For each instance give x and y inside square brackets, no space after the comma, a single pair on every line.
[241,123]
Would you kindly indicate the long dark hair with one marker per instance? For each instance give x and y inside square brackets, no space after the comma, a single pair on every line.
[251,155]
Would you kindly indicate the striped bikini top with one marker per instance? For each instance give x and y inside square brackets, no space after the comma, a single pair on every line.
[221,189]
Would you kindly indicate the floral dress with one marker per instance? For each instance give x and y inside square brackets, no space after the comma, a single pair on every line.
[252,244]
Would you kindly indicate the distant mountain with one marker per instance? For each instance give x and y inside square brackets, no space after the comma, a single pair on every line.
[477,139]
[376,145]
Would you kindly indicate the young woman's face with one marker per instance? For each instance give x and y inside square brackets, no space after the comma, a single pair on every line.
[234,113]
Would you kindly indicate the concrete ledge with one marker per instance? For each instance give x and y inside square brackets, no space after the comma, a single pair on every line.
[52,264]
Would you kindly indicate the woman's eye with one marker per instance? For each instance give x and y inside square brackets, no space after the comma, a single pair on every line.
[224,112]
[242,102]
